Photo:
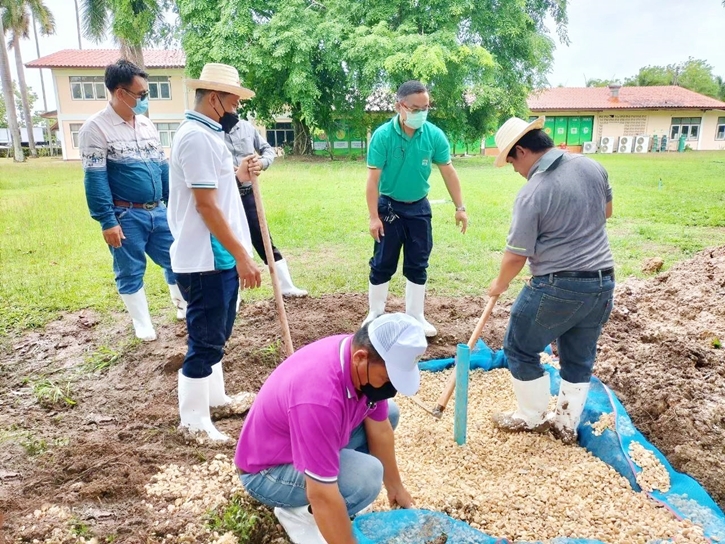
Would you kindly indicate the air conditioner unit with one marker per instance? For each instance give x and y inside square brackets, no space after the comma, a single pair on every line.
[589,147]
[626,144]
[606,144]
[641,144]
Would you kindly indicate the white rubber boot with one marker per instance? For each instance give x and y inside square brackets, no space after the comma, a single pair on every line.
[285,280]
[300,525]
[533,406]
[178,301]
[569,408]
[377,297]
[217,394]
[138,307]
[194,407]
[415,304]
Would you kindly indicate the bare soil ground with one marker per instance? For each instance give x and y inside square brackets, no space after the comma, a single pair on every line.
[71,472]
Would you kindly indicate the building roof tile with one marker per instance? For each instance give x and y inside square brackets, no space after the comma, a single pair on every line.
[100,58]
[600,98]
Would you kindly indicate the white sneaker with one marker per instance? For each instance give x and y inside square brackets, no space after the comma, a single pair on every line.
[300,525]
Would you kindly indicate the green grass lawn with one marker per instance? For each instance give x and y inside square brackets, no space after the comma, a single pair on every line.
[53,259]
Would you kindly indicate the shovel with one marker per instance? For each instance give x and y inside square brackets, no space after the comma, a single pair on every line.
[281,312]
[437,412]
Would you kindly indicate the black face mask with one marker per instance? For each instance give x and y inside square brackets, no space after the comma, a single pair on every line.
[376,394]
[228,120]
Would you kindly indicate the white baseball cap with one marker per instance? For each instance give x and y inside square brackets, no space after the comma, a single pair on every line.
[400,340]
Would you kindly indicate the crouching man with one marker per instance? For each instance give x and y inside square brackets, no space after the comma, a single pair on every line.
[318,442]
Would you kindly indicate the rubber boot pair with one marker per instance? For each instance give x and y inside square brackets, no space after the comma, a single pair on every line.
[414,303]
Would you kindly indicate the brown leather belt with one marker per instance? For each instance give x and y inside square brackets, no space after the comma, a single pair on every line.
[145,205]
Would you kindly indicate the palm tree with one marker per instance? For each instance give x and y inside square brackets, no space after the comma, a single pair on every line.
[17,20]
[131,22]
[7,85]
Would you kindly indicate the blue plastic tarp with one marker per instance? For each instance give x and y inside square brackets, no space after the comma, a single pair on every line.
[686,498]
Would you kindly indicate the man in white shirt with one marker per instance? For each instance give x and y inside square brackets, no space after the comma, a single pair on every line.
[212,250]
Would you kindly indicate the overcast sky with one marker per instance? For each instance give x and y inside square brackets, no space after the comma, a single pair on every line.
[611,38]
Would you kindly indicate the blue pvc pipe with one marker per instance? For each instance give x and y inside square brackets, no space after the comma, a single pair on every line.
[460,416]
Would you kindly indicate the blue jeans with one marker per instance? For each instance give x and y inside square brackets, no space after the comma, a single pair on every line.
[359,481]
[407,226]
[571,311]
[211,299]
[147,233]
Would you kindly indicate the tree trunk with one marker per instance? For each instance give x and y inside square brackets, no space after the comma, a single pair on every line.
[7,85]
[303,138]
[78,25]
[134,53]
[24,95]
[49,133]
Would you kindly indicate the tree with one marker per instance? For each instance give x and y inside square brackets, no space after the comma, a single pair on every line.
[17,19]
[320,60]
[134,23]
[7,85]
[693,74]
[602,82]
[32,98]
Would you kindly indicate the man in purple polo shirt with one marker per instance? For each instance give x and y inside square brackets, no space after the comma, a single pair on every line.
[318,442]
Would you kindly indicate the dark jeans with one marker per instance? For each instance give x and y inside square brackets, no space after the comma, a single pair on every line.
[571,311]
[255,231]
[407,226]
[211,299]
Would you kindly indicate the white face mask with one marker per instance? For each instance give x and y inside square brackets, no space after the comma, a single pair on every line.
[415,120]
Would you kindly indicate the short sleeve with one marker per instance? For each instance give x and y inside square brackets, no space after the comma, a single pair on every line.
[93,147]
[524,228]
[377,150]
[315,438]
[380,412]
[441,148]
[198,160]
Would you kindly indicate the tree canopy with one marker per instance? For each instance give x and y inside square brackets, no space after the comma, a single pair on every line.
[320,60]
[693,74]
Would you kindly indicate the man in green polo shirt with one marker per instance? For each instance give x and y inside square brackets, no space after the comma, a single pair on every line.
[401,155]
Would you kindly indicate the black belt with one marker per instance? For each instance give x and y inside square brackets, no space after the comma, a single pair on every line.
[583,274]
[245,190]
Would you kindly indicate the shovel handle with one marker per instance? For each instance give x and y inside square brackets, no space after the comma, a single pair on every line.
[451,384]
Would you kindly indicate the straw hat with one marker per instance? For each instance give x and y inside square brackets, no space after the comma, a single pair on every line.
[510,133]
[220,77]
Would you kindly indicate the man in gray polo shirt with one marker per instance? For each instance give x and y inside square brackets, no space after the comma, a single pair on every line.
[241,141]
[559,225]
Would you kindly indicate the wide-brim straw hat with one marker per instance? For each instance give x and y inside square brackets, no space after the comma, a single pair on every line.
[220,77]
[510,133]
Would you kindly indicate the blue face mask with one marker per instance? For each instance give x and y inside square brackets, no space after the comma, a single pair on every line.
[142,104]
[417,119]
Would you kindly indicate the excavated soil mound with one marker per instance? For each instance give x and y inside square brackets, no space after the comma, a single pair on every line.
[77,470]
[661,353]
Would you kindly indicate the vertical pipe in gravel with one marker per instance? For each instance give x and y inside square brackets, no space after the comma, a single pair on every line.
[460,415]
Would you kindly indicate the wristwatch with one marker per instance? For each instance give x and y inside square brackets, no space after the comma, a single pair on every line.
[461,208]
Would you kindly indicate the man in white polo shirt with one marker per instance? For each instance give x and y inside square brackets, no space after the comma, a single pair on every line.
[212,250]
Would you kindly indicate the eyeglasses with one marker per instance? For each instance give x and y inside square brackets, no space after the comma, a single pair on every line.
[140,96]
[415,109]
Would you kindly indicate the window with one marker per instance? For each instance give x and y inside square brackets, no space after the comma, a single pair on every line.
[281,134]
[720,130]
[87,88]
[159,88]
[74,128]
[167,131]
[689,126]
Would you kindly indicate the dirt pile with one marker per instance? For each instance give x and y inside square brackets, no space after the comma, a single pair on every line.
[84,465]
[661,353]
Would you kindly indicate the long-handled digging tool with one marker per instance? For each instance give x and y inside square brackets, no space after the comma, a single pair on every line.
[437,412]
[279,301]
